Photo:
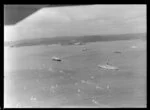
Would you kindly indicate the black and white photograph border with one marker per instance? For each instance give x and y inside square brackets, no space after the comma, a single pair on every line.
[79,56]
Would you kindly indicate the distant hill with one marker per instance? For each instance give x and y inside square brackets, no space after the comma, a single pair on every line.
[66,40]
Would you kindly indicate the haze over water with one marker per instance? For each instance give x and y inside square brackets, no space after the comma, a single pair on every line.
[78,21]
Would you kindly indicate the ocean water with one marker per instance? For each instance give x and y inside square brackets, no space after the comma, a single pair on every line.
[32,79]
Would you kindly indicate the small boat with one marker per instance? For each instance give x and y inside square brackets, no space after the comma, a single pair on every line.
[84,49]
[133,46]
[56,59]
[79,43]
[108,67]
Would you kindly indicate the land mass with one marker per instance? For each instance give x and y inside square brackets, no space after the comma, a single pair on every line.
[67,40]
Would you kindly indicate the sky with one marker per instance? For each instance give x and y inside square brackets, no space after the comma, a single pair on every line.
[78,21]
